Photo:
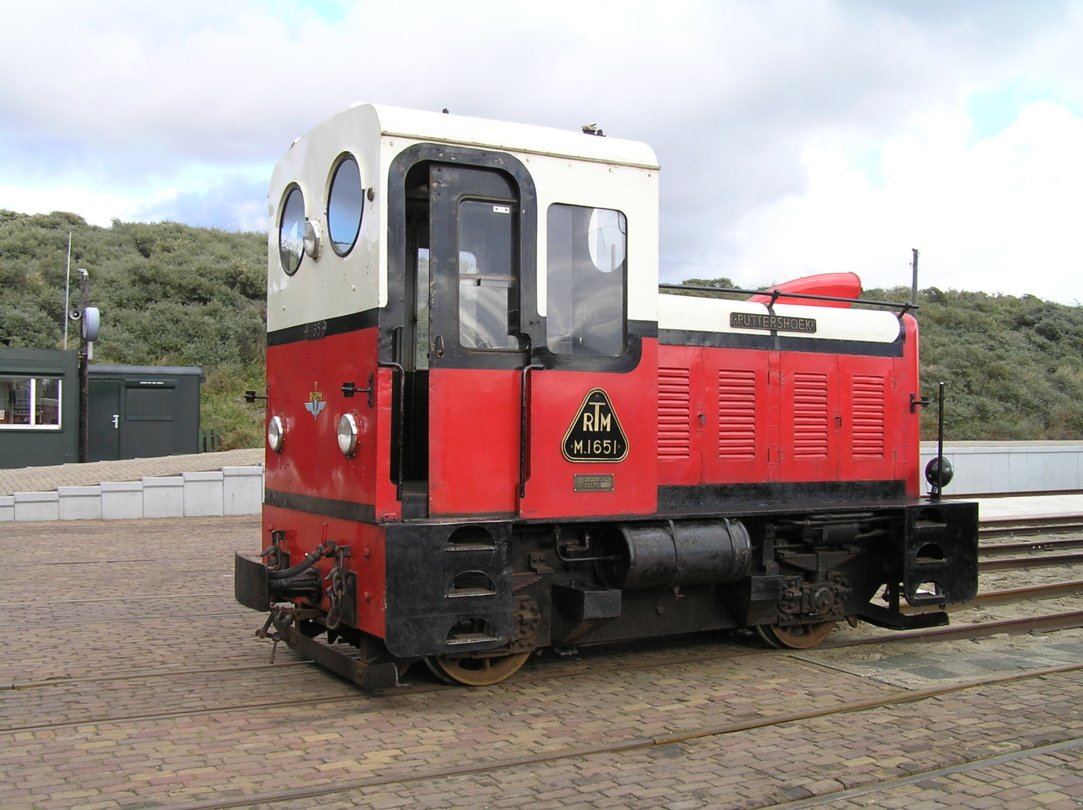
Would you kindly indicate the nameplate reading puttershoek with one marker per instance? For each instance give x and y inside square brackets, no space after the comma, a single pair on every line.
[772,323]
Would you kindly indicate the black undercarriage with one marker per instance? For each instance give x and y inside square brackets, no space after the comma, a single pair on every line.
[479,595]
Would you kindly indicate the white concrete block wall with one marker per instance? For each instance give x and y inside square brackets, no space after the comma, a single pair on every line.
[80,503]
[986,469]
[230,491]
[980,469]
[163,497]
[37,506]
[202,493]
[242,490]
[122,500]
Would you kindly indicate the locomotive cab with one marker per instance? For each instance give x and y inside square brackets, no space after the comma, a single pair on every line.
[489,433]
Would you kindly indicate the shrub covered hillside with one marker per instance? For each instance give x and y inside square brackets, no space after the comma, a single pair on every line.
[1013,366]
[169,295]
[175,295]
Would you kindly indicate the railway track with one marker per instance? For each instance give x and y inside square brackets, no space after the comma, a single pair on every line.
[1030,562]
[629,745]
[599,661]
[1046,552]
[1032,546]
[136,702]
[1055,590]
[1023,527]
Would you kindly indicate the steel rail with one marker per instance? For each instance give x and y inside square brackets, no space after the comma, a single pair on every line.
[1030,526]
[1049,622]
[1025,594]
[893,783]
[1058,621]
[64,680]
[1026,563]
[489,765]
[1031,546]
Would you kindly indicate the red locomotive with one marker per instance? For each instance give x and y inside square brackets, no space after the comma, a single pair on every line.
[489,432]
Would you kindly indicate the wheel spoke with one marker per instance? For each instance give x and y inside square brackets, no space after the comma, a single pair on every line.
[484,671]
[799,637]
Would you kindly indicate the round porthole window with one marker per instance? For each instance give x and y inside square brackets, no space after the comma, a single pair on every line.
[345,204]
[291,231]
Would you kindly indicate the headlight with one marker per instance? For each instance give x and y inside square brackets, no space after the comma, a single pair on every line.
[347,434]
[276,434]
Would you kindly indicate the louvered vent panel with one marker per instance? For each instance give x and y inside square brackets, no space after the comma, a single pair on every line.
[810,417]
[736,414]
[868,420]
[674,413]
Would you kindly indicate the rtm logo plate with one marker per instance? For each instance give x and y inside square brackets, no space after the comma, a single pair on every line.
[595,434]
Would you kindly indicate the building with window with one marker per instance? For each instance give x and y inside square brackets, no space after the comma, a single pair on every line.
[132,411]
[39,407]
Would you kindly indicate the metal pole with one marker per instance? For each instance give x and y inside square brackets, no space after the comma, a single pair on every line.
[914,283]
[84,387]
[939,488]
[67,283]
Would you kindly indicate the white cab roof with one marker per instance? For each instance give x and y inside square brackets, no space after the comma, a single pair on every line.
[525,138]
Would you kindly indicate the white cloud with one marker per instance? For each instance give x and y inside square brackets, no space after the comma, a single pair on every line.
[999,214]
[97,208]
[794,137]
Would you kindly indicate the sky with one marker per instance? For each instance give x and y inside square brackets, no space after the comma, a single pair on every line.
[795,136]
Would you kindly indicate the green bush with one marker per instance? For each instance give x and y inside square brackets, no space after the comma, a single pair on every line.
[169,295]
[174,295]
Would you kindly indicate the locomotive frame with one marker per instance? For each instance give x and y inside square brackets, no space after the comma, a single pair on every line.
[490,432]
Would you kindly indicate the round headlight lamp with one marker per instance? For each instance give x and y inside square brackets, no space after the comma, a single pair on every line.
[276,434]
[312,240]
[347,434]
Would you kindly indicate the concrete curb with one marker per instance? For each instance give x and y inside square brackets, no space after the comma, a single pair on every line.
[229,491]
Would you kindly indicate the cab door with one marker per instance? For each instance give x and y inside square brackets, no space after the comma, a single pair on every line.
[592,388]
[475,347]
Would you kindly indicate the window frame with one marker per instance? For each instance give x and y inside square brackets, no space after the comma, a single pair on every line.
[35,386]
[287,195]
[332,181]
[483,280]
[553,283]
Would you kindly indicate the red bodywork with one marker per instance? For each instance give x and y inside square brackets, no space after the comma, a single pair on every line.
[748,416]
[828,285]
[691,416]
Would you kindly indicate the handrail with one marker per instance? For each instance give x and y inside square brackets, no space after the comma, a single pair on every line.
[775,294]
[524,438]
[400,439]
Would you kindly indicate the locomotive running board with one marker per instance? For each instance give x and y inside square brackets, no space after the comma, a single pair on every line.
[374,675]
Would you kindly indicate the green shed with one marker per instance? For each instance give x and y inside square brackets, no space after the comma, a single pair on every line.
[39,407]
[142,411]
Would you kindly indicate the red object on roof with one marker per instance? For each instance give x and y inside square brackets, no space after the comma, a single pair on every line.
[834,285]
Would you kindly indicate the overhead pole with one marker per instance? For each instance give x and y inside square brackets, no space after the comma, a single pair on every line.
[84,362]
[914,282]
[67,287]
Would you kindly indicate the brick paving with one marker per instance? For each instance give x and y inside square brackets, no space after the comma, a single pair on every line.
[90,743]
[47,479]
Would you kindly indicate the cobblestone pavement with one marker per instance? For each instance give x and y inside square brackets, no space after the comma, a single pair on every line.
[141,685]
[47,479]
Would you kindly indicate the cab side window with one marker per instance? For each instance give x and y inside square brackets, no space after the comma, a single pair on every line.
[488,276]
[586,312]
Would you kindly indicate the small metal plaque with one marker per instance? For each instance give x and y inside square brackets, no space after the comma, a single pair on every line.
[593,483]
[772,323]
[595,433]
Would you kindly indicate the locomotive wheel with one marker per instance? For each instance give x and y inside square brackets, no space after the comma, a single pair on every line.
[476,671]
[799,637]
